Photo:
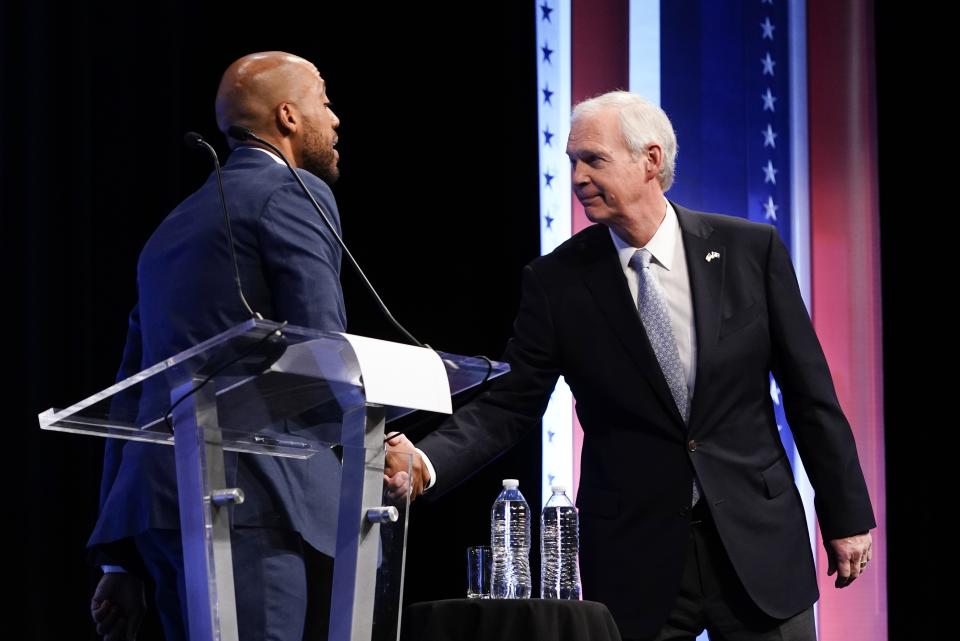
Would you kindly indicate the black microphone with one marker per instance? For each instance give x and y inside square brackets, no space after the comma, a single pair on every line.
[243,134]
[193,139]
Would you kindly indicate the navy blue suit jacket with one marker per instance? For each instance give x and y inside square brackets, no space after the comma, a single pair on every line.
[290,269]
[577,319]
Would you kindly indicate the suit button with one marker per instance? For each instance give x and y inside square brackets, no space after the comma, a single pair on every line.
[691,445]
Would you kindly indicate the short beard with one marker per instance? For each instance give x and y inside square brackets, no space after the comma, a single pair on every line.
[318,157]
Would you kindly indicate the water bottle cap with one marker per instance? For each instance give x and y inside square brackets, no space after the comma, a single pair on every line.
[561,489]
[511,484]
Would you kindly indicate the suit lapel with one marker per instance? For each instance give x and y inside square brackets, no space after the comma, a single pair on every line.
[706,291]
[607,284]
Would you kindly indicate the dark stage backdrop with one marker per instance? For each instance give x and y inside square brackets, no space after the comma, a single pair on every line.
[438,197]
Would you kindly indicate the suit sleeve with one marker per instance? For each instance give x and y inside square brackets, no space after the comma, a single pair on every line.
[301,259]
[123,408]
[482,430]
[821,431]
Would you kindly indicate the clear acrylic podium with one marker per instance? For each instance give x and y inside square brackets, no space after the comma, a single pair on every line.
[239,391]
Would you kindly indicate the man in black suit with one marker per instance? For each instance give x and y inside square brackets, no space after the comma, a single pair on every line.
[666,323]
[284,533]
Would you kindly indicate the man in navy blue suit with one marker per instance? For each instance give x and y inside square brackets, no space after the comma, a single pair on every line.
[289,264]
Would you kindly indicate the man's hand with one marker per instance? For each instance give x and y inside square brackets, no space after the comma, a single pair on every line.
[117,606]
[395,471]
[849,557]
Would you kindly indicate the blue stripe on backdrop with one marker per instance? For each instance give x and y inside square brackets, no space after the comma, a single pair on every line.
[725,85]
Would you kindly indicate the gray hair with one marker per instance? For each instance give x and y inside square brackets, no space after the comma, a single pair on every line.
[641,123]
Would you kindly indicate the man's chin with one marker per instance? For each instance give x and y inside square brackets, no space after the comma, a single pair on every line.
[595,215]
[333,174]
[328,174]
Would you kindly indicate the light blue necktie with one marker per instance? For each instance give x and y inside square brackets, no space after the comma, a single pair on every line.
[656,320]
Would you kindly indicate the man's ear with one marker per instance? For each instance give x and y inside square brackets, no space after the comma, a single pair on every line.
[653,158]
[288,118]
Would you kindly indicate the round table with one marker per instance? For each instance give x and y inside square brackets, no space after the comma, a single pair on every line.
[508,619]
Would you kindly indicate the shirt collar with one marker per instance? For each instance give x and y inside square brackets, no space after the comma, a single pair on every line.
[662,246]
[275,157]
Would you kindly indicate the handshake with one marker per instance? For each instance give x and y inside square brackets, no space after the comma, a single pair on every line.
[398,469]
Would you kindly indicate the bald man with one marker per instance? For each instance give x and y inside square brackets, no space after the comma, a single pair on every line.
[284,532]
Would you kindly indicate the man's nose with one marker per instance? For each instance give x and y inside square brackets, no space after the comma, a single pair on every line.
[578,174]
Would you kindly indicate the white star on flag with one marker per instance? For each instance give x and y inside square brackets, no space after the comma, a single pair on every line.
[768,28]
[769,173]
[768,64]
[768,100]
[769,137]
[770,209]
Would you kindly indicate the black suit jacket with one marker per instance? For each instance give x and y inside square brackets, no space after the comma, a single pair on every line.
[577,319]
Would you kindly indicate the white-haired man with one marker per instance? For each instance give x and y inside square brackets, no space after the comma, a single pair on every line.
[666,323]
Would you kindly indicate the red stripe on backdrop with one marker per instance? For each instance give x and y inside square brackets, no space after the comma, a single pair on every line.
[845,266]
[600,32]
[600,58]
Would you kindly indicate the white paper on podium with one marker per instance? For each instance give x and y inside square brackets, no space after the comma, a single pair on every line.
[401,375]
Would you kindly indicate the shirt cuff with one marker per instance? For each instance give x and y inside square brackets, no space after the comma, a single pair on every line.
[430,470]
[113,569]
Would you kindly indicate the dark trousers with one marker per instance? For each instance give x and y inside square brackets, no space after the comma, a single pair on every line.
[713,598]
[282,584]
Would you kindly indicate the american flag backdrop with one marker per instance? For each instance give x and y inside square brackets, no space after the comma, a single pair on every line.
[761,93]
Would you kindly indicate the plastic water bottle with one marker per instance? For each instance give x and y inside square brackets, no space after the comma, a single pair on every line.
[559,543]
[510,544]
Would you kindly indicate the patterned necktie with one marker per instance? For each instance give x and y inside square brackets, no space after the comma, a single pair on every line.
[656,320]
